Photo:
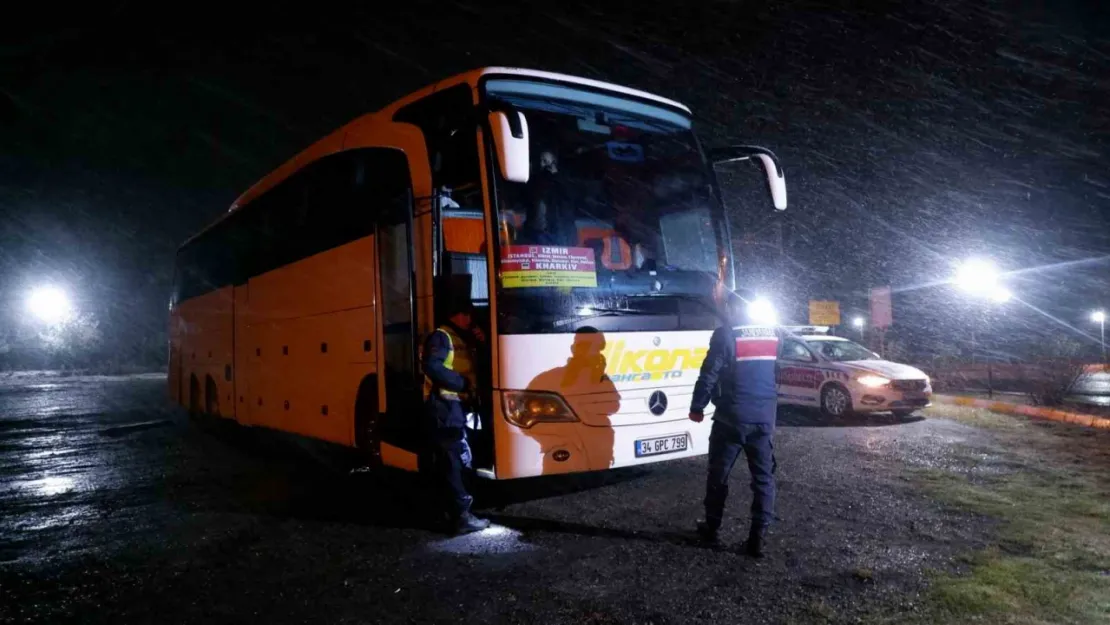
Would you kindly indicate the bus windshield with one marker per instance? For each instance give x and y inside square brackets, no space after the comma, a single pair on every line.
[619,209]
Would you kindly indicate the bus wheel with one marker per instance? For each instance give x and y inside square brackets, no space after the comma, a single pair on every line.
[194,398]
[211,397]
[368,421]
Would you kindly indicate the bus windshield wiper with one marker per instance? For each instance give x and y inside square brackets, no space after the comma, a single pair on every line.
[593,312]
[704,301]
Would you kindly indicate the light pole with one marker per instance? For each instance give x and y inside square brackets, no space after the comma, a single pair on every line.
[1099,317]
[858,322]
[979,278]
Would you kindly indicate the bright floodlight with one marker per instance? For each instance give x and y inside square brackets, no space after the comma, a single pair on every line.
[858,322]
[762,312]
[49,304]
[1098,316]
[977,276]
[1001,294]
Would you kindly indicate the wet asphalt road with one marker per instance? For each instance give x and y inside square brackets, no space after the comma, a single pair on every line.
[115,508]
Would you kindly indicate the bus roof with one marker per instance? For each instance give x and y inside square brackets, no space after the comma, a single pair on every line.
[334,141]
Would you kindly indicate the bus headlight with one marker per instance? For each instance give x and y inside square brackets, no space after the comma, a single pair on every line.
[872,381]
[527,408]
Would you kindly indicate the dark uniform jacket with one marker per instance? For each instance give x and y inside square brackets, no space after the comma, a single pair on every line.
[448,371]
[738,375]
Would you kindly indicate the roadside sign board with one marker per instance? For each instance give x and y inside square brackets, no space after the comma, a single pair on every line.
[824,313]
[881,314]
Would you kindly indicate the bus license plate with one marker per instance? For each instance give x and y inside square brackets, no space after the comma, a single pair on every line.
[662,445]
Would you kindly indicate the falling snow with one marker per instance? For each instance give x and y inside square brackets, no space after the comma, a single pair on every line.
[913,135]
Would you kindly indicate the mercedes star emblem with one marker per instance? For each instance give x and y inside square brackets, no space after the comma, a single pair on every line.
[657,403]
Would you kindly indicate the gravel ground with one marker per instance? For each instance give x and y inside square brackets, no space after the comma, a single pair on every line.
[115,509]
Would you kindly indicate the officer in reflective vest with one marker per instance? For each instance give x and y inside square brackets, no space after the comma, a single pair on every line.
[449,382]
[739,374]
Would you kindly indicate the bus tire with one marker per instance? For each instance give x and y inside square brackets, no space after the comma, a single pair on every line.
[211,397]
[368,420]
[194,398]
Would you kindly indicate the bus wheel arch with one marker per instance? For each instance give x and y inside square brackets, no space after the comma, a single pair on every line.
[368,418]
[194,396]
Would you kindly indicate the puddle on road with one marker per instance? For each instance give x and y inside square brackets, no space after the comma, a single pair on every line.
[69,516]
[127,428]
[48,486]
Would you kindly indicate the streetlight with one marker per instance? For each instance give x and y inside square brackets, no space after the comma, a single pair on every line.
[1099,317]
[858,323]
[976,276]
[980,278]
[49,304]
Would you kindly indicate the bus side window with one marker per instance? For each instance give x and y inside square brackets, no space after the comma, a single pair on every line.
[450,131]
[464,233]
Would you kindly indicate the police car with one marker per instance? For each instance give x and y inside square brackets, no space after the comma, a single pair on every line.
[841,376]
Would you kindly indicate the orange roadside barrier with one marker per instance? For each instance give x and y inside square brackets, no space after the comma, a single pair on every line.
[1035,412]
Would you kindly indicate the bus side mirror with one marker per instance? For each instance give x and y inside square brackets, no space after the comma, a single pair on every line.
[510,140]
[770,162]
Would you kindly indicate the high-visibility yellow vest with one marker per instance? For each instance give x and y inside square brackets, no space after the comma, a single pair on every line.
[458,360]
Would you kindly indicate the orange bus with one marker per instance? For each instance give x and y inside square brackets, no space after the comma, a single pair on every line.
[588,218]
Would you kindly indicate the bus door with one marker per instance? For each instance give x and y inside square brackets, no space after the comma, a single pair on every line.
[400,424]
[464,252]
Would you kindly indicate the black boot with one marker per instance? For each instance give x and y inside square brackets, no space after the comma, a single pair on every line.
[707,531]
[467,523]
[715,496]
[757,539]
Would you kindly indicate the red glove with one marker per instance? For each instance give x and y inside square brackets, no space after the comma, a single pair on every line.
[697,417]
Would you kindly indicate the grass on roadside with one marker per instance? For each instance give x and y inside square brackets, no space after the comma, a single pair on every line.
[978,417]
[1051,562]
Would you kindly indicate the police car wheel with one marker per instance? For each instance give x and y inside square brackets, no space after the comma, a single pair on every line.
[835,401]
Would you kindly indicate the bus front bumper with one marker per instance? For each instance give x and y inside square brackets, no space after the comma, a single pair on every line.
[556,448]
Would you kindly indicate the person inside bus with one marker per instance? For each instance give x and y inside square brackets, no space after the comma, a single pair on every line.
[738,375]
[450,389]
[537,229]
[542,224]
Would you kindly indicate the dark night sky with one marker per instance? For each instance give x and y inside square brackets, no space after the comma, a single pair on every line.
[913,133]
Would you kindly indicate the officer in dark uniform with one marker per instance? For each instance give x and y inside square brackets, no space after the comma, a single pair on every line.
[739,376]
[449,386]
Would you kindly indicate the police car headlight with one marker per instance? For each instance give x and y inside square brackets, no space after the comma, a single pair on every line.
[872,381]
[527,408]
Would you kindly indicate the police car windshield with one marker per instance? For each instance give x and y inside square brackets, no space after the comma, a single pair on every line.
[840,351]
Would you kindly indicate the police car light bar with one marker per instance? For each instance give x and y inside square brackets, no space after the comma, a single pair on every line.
[807,329]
